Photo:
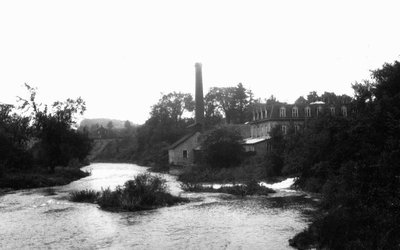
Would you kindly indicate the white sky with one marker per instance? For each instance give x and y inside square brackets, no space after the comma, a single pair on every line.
[119,55]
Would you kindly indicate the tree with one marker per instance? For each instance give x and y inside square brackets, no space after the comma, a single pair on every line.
[110,126]
[212,111]
[14,136]
[300,101]
[58,141]
[274,158]
[222,147]
[271,100]
[233,102]
[241,99]
[224,98]
[313,97]
[173,105]
[360,184]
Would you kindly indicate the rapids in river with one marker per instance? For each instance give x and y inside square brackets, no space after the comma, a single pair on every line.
[37,219]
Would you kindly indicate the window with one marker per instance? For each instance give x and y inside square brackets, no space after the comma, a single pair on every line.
[296,128]
[319,110]
[284,129]
[295,112]
[332,110]
[185,154]
[282,112]
[344,111]
[307,110]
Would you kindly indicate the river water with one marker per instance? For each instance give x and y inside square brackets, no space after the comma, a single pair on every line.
[35,219]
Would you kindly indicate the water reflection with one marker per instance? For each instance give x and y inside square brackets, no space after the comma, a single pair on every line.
[34,219]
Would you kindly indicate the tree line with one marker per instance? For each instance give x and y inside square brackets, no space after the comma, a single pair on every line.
[354,163]
[34,135]
[170,118]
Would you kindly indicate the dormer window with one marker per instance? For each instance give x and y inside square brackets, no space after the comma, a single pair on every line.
[307,111]
[344,111]
[295,112]
[332,111]
[282,112]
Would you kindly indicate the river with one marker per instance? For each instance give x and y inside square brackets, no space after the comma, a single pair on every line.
[35,219]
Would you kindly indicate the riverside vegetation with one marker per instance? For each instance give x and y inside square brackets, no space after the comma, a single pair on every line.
[248,188]
[41,148]
[142,193]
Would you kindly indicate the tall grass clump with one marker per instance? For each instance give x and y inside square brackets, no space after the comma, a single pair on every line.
[87,195]
[144,192]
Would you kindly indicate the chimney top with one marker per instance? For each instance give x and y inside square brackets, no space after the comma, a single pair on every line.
[197,65]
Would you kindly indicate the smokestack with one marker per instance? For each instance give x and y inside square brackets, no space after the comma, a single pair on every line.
[199,112]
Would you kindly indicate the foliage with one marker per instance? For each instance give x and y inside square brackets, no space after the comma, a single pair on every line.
[14,136]
[58,143]
[204,173]
[274,157]
[222,147]
[326,97]
[233,102]
[87,195]
[145,191]
[33,138]
[354,163]
[37,177]
[148,144]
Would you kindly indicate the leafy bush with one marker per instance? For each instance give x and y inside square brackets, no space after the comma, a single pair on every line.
[222,148]
[145,191]
[204,173]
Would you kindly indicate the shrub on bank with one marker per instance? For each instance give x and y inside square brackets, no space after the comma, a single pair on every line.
[249,188]
[40,178]
[143,192]
[203,173]
[86,195]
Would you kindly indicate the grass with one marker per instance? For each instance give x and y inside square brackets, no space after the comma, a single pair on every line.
[87,195]
[144,192]
[249,188]
[35,178]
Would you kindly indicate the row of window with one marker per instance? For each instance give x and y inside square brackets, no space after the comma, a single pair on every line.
[295,112]
[264,130]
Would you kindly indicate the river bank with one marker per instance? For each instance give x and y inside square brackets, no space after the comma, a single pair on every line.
[36,178]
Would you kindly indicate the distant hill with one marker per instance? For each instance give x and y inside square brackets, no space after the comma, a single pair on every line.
[117,124]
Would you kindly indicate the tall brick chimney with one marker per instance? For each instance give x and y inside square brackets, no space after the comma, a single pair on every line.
[199,109]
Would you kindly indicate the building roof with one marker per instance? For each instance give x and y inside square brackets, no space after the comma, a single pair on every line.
[263,112]
[182,140]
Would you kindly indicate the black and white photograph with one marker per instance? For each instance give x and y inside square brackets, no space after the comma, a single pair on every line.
[184,124]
